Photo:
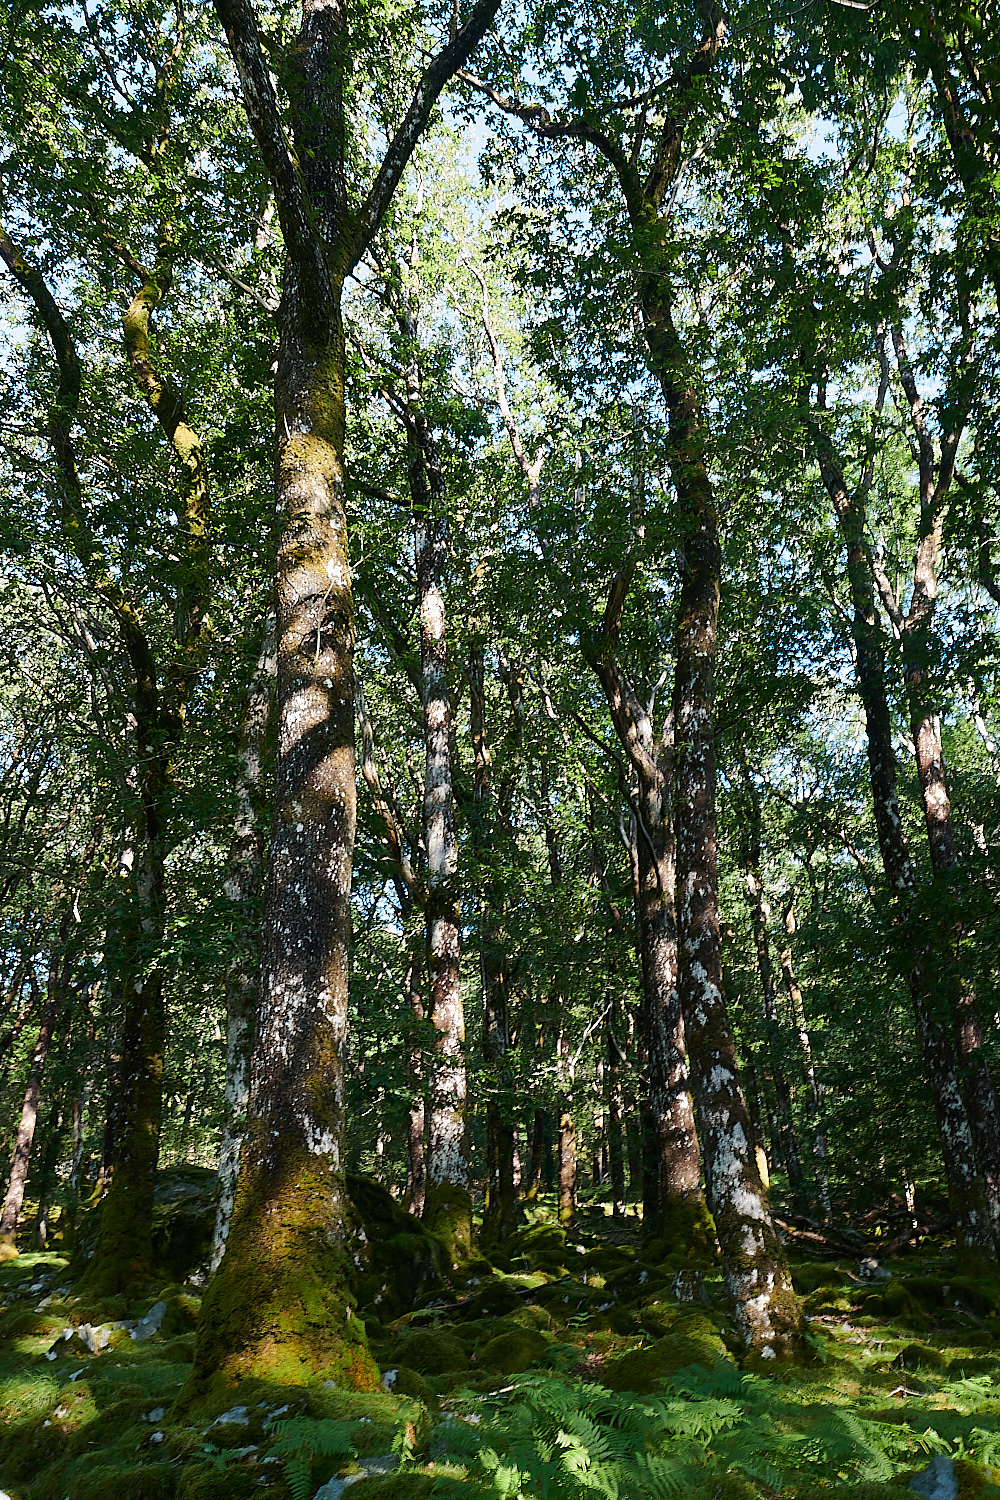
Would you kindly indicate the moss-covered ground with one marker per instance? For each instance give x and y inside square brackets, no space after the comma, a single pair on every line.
[567,1367]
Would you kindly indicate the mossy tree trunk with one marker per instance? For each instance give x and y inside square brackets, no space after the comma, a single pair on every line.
[279,1305]
[123,1254]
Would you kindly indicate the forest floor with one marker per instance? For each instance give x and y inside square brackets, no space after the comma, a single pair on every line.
[573,1369]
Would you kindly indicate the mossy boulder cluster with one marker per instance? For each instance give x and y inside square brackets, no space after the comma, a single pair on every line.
[583,1319]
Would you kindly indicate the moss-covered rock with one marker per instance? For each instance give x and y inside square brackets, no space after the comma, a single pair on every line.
[206,1482]
[26,1323]
[541,1247]
[411,1383]
[184,1204]
[636,1281]
[497,1300]
[508,1353]
[691,1340]
[921,1356]
[414,1484]
[807,1278]
[143,1481]
[448,1215]
[397,1260]
[432,1351]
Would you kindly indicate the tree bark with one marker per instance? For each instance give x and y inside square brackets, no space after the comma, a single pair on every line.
[416,1115]
[242,889]
[448,1206]
[815,1093]
[965,1189]
[14,1197]
[279,1306]
[673,1203]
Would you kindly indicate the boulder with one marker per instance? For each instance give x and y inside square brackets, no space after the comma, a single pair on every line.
[397,1260]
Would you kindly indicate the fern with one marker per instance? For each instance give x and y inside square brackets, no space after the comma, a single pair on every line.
[561,1439]
[297,1441]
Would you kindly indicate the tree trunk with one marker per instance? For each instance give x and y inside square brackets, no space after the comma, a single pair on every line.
[925,729]
[14,1197]
[567,1169]
[501,1210]
[47,1180]
[616,1145]
[753,1259]
[759,913]
[123,1255]
[965,1189]
[815,1093]
[242,889]
[537,1147]
[279,1306]
[416,1115]
[448,1208]
[673,1202]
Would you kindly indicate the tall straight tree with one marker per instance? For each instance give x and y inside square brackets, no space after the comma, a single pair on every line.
[279,1305]
[641,137]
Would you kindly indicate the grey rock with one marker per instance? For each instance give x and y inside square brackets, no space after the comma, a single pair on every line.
[94,1339]
[937,1482]
[156,1415]
[870,1270]
[150,1324]
[382,1463]
[236,1416]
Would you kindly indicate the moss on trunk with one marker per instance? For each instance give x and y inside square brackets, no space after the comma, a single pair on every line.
[280,1307]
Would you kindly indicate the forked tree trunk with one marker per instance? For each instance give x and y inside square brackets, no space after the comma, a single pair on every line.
[279,1306]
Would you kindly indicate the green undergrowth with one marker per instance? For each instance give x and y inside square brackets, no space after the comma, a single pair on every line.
[571,1367]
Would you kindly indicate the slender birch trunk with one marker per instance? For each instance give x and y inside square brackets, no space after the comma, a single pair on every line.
[416,1115]
[242,889]
[814,1092]
[448,1206]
